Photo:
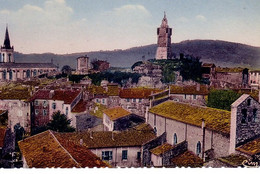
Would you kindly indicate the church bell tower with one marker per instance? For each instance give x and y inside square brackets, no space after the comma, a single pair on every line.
[164,40]
[7,51]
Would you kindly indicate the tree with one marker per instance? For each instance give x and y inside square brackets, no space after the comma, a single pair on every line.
[66,69]
[60,123]
[222,99]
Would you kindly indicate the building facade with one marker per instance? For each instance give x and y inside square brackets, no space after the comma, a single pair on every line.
[11,71]
[83,65]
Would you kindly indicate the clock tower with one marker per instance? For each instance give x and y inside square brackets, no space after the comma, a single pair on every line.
[164,40]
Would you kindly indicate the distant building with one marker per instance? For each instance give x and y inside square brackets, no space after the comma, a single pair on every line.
[164,40]
[48,150]
[100,65]
[11,71]
[82,65]
[254,79]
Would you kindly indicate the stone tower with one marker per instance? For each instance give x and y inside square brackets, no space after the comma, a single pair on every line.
[83,64]
[7,52]
[164,40]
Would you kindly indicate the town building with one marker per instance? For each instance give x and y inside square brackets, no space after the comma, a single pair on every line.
[164,33]
[135,100]
[118,148]
[46,102]
[118,119]
[254,79]
[100,65]
[195,94]
[82,65]
[11,71]
[210,133]
[47,150]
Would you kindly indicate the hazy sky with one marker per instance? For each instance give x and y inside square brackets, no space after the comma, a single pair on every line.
[67,26]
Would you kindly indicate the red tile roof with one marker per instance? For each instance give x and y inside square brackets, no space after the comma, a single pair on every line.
[192,90]
[250,148]
[116,112]
[67,96]
[161,149]
[187,159]
[45,150]
[2,136]
[81,106]
[137,92]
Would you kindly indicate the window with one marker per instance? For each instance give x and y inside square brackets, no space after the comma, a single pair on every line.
[28,73]
[175,139]
[198,150]
[140,100]
[53,105]
[67,110]
[10,75]
[34,73]
[128,100]
[138,155]
[97,100]
[36,102]
[244,115]
[248,102]
[44,103]
[134,100]
[4,75]
[185,96]
[195,97]
[44,112]
[155,130]
[107,155]
[254,115]
[124,154]
[103,100]
[36,111]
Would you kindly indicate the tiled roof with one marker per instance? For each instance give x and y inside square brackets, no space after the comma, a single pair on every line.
[203,90]
[234,160]
[27,65]
[44,150]
[250,148]
[161,149]
[67,96]
[112,90]
[240,100]
[2,136]
[116,112]
[215,119]
[15,95]
[128,138]
[81,106]
[231,70]
[137,92]
[187,159]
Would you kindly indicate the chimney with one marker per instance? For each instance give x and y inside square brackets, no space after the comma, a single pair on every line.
[198,87]
[91,134]
[51,94]
[81,141]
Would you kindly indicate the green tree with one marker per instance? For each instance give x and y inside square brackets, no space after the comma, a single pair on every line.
[60,123]
[66,69]
[222,99]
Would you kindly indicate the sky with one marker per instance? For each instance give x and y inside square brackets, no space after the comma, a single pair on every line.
[69,26]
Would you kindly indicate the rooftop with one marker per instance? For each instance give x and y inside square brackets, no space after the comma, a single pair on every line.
[112,90]
[27,65]
[45,150]
[142,93]
[81,106]
[233,160]
[13,94]
[231,70]
[187,159]
[215,119]
[128,138]
[193,90]
[116,112]
[250,148]
[161,149]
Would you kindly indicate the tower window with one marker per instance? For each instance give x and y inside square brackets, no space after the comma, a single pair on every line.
[198,149]
[175,139]
[244,115]
[254,115]
[248,102]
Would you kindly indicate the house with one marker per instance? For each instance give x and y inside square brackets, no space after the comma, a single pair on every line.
[208,71]
[194,94]
[254,79]
[135,100]
[46,102]
[16,102]
[119,149]
[209,133]
[118,118]
[46,150]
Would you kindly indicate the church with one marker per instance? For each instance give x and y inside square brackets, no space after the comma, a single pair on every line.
[11,71]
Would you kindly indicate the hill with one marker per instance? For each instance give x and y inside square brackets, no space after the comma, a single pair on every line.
[221,53]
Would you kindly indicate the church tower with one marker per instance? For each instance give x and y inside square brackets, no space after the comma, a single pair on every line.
[7,52]
[164,40]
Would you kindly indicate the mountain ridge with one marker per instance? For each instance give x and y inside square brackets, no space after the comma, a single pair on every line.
[222,53]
